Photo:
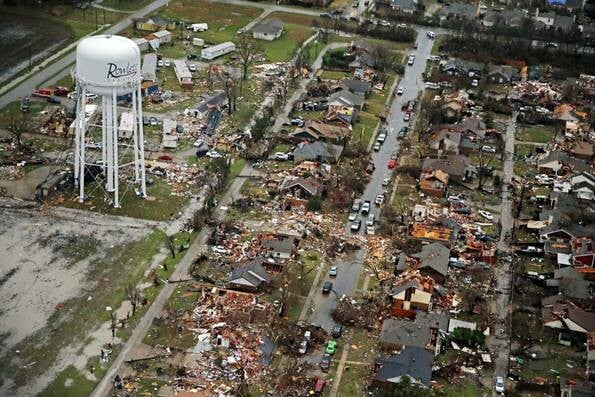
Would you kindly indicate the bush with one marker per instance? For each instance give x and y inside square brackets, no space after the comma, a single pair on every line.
[314,203]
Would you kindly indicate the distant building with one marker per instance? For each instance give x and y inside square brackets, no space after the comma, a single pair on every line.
[153,24]
[149,68]
[164,36]
[269,29]
[183,74]
[218,50]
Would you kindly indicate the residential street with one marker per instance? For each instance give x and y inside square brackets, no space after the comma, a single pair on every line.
[499,342]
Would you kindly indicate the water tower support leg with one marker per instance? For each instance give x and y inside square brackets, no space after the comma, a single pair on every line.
[135,138]
[82,147]
[115,149]
[141,144]
[109,144]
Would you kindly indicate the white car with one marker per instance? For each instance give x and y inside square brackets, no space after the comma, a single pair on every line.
[166,63]
[281,156]
[333,271]
[400,91]
[379,199]
[198,143]
[303,347]
[366,207]
[431,34]
[192,67]
[352,216]
[486,214]
[499,384]
[488,149]
[160,63]
[370,230]
[219,249]
[411,60]
[376,147]
[386,182]
[406,118]
[474,83]
[543,178]
[381,138]
[214,154]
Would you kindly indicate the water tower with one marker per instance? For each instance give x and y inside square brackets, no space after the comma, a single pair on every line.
[109,67]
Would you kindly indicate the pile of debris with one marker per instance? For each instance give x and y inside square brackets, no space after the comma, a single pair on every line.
[11,172]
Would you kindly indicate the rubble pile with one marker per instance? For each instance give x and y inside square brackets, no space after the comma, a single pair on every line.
[54,121]
[11,172]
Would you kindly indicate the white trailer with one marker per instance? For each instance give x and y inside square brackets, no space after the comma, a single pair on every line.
[198,42]
[218,50]
[198,27]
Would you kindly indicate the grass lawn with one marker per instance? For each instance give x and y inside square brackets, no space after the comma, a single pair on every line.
[354,380]
[283,48]
[224,21]
[404,197]
[525,168]
[14,108]
[333,75]
[521,149]
[125,5]
[160,206]
[437,41]
[536,133]
[362,346]
[464,390]
[298,19]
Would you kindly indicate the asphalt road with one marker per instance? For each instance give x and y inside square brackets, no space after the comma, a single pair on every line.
[412,84]
[61,67]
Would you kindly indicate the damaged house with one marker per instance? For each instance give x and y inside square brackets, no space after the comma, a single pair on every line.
[432,261]
[412,362]
[426,331]
[458,167]
[250,277]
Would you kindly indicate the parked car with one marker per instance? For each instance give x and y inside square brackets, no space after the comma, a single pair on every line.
[543,178]
[370,231]
[370,167]
[386,182]
[352,216]
[327,287]
[219,249]
[488,149]
[499,385]
[392,163]
[307,335]
[303,347]
[486,214]
[160,63]
[381,137]
[376,146]
[366,207]
[356,225]
[153,121]
[379,199]
[403,132]
[371,219]
[393,155]
[281,156]
[400,91]
[319,385]
[356,205]
[333,271]
[297,121]
[325,362]
[214,154]
[166,63]
[198,143]
[331,347]
[337,331]
[406,117]
[430,34]
[202,152]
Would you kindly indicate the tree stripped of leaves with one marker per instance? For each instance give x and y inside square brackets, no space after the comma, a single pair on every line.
[247,48]
[385,61]
[17,124]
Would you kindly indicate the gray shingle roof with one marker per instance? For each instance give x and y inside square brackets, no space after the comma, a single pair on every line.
[412,333]
[271,26]
[414,362]
[434,256]
[253,273]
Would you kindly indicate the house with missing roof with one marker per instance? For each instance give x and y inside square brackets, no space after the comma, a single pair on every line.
[458,167]
[300,188]
[434,183]
[269,29]
[280,246]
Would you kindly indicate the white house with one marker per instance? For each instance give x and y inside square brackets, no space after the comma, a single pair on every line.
[164,36]
[269,30]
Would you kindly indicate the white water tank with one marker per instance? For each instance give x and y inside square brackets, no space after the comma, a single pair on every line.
[107,61]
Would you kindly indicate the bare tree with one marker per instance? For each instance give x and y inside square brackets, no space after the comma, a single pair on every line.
[385,62]
[230,86]
[17,124]
[171,245]
[247,49]
[134,296]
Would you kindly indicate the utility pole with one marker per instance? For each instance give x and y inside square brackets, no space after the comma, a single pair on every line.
[104,16]
[29,59]
[96,19]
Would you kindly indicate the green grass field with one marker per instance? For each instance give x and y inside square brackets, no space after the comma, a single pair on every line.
[536,133]
[283,48]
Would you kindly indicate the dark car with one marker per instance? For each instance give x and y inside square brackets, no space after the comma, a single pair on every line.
[325,362]
[202,152]
[403,132]
[327,287]
[336,331]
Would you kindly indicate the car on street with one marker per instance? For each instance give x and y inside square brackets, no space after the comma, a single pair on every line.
[376,146]
[333,271]
[370,231]
[356,225]
[406,117]
[297,121]
[336,331]
[214,154]
[381,138]
[411,60]
[366,207]
[488,149]
[392,164]
[430,34]
[370,167]
[307,335]
[331,347]
[352,216]
[325,362]
[403,132]
[400,91]
[386,182]
[379,199]
[281,156]
[393,155]
[486,214]
[303,347]
[327,287]
[499,385]
[371,219]
[198,143]
[356,205]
